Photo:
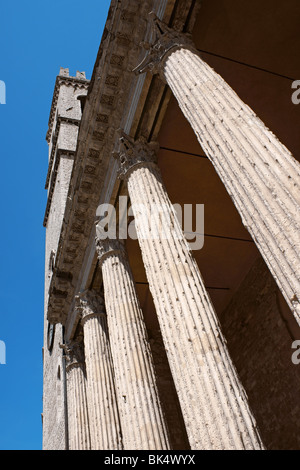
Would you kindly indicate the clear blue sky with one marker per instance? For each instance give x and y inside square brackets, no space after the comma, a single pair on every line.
[37,38]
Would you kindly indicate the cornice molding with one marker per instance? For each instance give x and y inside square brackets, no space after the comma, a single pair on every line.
[106,110]
[166,40]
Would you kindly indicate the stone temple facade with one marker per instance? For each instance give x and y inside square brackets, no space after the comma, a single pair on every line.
[151,342]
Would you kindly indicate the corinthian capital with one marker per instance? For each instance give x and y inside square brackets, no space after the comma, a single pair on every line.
[134,153]
[165,41]
[108,247]
[74,352]
[89,304]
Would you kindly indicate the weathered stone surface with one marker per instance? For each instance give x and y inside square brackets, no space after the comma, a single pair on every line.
[104,420]
[141,416]
[213,402]
[78,420]
[54,413]
[103,111]
[62,137]
[249,181]
[67,236]
[260,331]
[260,174]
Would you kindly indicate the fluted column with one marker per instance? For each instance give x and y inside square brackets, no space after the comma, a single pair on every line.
[141,416]
[101,394]
[213,402]
[260,174]
[78,422]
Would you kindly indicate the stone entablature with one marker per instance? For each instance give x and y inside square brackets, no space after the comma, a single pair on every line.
[107,106]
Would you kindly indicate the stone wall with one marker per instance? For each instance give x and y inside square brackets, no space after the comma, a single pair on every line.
[54,437]
[62,139]
[260,329]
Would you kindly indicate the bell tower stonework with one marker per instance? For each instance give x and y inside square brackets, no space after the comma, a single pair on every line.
[64,121]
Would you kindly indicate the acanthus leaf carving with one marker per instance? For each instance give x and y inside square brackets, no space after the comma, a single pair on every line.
[134,152]
[166,40]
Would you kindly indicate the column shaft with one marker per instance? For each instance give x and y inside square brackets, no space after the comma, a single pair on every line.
[79,434]
[102,404]
[213,402]
[259,173]
[140,411]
